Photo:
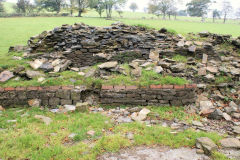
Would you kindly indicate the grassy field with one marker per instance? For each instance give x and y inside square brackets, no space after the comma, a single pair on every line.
[29,138]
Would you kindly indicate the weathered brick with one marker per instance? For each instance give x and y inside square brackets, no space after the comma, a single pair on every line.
[156,86]
[1,89]
[32,88]
[67,87]
[64,94]
[9,89]
[54,88]
[107,87]
[131,87]
[20,89]
[120,87]
[179,86]
[191,86]
[76,95]
[167,86]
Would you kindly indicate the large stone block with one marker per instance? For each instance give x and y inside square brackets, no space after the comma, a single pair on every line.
[75,95]
[54,102]
[64,94]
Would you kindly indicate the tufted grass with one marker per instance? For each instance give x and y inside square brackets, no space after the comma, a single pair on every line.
[29,138]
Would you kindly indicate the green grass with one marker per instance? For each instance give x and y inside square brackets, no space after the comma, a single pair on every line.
[223,79]
[180,58]
[170,112]
[29,138]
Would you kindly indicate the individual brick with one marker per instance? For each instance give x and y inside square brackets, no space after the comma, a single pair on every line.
[107,87]
[63,94]
[190,86]
[167,86]
[156,86]
[66,102]
[131,87]
[179,86]
[32,88]
[119,87]
[9,89]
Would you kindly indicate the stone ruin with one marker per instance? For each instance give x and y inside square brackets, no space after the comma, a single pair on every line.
[85,45]
[209,56]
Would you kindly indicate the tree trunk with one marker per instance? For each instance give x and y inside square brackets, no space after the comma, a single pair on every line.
[225,18]
[80,13]
[164,16]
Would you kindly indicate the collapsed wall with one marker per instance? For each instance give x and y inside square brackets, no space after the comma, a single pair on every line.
[86,45]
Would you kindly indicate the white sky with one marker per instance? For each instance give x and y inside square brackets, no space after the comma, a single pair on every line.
[144,3]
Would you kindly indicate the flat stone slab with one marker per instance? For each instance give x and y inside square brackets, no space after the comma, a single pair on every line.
[156,153]
[5,76]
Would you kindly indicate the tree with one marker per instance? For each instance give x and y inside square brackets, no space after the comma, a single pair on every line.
[133,6]
[215,14]
[24,6]
[82,5]
[109,4]
[72,6]
[158,7]
[227,8]
[182,13]
[198,8]
[1,7]
[50,5]
[98,5]
[172,11]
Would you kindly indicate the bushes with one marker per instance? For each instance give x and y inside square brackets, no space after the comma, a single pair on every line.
[6,15]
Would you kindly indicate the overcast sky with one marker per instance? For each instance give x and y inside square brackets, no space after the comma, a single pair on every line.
[143,3]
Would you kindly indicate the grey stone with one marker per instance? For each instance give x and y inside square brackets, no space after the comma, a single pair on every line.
[108,65]
[82,107]
[154,55]
[197,123]
[34,102]
[69,108]
[180,67]
[227,117]
[45,119]
[192,48]
[5,76]
[206,144]
[158,69]
[217,114]
[236,129]
[33,74]
[47,67]
[230,143]
[206,107]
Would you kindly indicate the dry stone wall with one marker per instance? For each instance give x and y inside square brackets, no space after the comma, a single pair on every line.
[156,95]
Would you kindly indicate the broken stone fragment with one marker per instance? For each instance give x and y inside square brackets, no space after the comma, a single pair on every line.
[44,119]
[82,107]
[180,67]
[34,102]
[108,65]
[137,72]
[32,74]
[192,49]
[206,144]
[181,43]
[37,63]
[233,143]
[70,108]
[158,69]
[154,55]
[211,69]
[204,58]
[5,76]
[206,107]
[142,115]
[47,67]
